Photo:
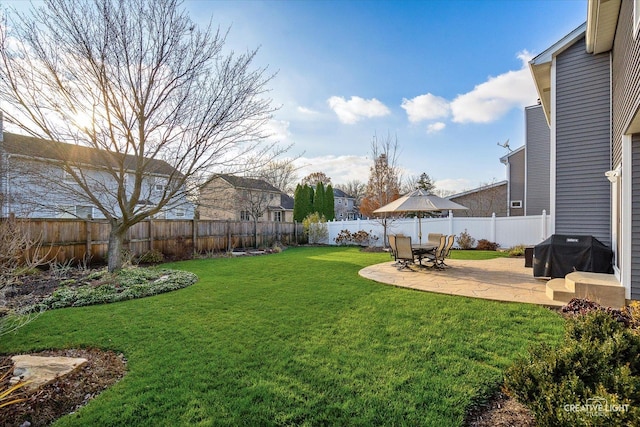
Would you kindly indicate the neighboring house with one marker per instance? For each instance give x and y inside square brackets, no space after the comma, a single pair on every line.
[537,158]
[236,198]
[515,162]
[345,206]
[34,182]
[483,201]
[589,86]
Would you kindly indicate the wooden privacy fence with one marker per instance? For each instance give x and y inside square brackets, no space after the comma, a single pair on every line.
[75,239]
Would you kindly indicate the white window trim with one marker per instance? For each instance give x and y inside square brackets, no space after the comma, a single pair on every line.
[516,204]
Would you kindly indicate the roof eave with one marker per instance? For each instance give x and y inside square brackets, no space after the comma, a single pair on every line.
[602,20]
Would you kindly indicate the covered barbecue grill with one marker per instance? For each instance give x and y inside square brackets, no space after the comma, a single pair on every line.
[561,254]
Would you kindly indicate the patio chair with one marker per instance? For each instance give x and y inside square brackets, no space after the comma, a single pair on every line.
[434,238]
[404,254]
[392,245]
[437,254]
[445,252]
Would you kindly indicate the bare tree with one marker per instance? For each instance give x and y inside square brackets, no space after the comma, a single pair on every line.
[383,186]
[355,189]
[281,173]
[139,82]
[384,177]
[316,177]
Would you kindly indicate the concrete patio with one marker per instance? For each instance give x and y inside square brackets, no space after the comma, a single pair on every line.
[503,279]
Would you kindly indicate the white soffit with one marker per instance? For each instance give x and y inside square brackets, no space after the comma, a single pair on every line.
[602,19]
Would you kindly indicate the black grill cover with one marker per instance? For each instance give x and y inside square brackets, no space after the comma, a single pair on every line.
[559,255]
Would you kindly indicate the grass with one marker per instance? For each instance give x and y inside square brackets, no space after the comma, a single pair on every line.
[477,255]
[296,338]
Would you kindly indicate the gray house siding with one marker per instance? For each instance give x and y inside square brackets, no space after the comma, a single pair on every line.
[516,182]
[635,217]
[626,103]
[583,128]
[537,147]
[626,77]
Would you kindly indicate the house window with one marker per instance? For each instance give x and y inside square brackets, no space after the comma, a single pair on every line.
[66,211]
[636,17]
[67,178]
[339,201]
[84,212]
[516,203]
[245,216]
[180,212]
[277,216]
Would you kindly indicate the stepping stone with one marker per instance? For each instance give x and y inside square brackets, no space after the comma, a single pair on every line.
[42,370]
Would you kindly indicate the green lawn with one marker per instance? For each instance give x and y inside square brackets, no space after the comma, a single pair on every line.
[296,338]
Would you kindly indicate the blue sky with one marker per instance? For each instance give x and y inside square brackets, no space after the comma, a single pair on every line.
[448,78]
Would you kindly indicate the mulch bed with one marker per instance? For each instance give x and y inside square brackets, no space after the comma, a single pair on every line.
[65,395]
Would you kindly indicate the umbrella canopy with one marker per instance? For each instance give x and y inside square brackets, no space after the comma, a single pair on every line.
[419,201]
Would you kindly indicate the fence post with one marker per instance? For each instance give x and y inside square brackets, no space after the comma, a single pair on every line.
[493,227]
[194,235]
[544,224]
[87,224]
[450,222]
[150,234]
[228,236]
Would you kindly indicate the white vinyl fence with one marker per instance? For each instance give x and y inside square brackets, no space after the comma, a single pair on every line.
[506,231]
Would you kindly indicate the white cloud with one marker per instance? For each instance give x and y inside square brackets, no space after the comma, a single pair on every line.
[425,107]
[435,127]
[277,130]
[355,109]
[340,169]
[492,99]
[454,185]
[305,110]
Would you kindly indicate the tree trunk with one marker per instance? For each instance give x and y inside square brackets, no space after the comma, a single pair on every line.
[114,252]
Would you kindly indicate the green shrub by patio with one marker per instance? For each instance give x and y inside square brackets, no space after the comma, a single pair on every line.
[591,379]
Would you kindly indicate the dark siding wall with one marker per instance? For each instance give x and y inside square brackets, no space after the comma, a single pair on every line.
[583,128]
[516,180]
[626,102]
[635,218]
[626,77]
[538,159]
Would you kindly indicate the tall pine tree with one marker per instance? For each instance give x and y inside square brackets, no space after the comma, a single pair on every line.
[329,204]
[318,198]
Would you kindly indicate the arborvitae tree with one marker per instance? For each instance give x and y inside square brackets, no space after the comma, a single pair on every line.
[318,198]
[309,198]
[329,204]
[298,203]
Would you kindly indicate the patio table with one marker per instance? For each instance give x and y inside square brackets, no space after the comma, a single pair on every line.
[423,249]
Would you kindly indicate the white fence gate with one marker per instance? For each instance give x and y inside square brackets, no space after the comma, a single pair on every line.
[506,231]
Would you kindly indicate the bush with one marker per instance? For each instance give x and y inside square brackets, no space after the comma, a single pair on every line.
[128,283]
[592,378]
[485,245]
[465,241]
[361,238]
[517,251]
[315,227]
[151,257]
